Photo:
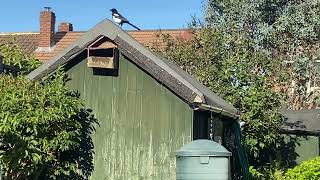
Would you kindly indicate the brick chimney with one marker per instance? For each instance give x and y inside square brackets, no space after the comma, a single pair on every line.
[65,27]
[47,25]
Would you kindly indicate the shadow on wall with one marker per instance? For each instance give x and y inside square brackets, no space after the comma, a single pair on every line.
[83,154]
[287,151]
[280,155]
[300,147]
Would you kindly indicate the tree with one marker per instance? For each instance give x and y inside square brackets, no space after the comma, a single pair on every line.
[298,25]
[289,30]
[232,68]
[253,54]
[44,128]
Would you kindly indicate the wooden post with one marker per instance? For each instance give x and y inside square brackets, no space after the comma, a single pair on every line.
[0,172]
[1,64]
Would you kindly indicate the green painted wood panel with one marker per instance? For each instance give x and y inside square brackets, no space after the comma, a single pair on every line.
[142,123]
[305,147]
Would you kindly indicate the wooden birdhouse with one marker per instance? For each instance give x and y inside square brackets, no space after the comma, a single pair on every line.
[103,53]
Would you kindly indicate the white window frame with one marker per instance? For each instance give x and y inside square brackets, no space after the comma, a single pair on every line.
[311,84]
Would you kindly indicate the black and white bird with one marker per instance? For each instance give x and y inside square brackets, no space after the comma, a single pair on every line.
[119,19]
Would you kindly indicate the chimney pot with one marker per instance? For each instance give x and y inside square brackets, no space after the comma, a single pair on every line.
[47,9]
[65,27]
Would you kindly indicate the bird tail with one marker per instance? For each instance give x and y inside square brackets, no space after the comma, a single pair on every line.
[134,26]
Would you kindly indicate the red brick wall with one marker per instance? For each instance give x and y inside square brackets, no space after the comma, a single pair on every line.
[47,23]
[65,27]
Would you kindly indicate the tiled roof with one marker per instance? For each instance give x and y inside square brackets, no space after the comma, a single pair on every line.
[29,41]
[154,37]
[62,40]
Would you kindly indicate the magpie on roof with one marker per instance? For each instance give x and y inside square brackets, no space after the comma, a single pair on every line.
[172,76]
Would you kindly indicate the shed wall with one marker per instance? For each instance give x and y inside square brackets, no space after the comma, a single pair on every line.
[304,147]
[142,123]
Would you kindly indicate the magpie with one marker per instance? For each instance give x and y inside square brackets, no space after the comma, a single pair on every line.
[119,19]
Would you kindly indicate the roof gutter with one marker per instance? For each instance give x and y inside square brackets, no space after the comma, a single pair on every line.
[299,131]
[218,110]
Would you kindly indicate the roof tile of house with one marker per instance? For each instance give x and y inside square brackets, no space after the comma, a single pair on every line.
[30,41]
[27,41]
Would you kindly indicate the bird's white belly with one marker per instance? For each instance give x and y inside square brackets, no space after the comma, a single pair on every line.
[117,20]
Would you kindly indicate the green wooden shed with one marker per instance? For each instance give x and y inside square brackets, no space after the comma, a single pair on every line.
[146,106]
[301,131]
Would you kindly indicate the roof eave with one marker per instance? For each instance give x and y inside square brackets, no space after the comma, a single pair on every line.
[217,110]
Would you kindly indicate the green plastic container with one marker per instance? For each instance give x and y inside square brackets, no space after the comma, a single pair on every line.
[203,160]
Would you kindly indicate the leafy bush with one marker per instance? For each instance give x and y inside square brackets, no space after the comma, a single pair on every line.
[307,170]
[271,173]
[43,130]
[14,56]
[254,173]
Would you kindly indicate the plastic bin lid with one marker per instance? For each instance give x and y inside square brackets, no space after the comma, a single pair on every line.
[203,147]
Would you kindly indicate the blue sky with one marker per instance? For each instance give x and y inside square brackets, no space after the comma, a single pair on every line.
[23,16]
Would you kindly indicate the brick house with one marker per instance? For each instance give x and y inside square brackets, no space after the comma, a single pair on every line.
[48,42]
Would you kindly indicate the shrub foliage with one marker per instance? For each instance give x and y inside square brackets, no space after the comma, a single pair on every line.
[41,123]
[14,56]
[307,170]
[44,129]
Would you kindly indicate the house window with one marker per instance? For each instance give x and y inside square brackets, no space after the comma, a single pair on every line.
[315,81]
